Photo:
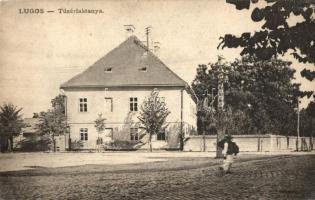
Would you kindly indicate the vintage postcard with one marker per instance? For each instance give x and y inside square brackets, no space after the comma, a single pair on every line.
[161,99]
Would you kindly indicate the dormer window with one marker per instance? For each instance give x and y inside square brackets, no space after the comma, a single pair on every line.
[108,70]
[143,69]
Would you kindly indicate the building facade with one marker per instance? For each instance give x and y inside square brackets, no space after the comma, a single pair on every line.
[115,86]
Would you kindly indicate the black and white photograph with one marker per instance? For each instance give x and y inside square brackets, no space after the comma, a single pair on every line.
[157,99]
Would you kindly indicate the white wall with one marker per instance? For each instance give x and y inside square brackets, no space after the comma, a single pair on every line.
[189,113]
[96,104]
[121,114]
[263,143]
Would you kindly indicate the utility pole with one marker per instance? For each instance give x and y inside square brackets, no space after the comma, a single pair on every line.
[205,113]
[204,108]
[147,32]
[221,127]
[212,100]
[221,80]
[298,125]
[69,140]
[53,132]
[68,125]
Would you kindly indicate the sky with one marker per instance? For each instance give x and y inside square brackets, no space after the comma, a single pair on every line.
[38,52]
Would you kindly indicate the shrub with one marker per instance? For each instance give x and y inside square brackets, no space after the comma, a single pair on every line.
[119,145]
[34,143]
[76,145]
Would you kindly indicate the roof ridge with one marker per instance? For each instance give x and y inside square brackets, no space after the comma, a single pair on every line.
[123,56]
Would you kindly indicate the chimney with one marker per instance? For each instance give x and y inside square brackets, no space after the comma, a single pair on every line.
[156,48]
[130,29]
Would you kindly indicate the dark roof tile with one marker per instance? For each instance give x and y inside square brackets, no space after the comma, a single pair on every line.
[122,67]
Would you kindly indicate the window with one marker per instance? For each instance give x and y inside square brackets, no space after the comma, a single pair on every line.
[108,70]
[84,134]
[83,104]
[161,135]
[134,134]
[143,69]
[108,104]
[99,141]
[109,133]
[133,103]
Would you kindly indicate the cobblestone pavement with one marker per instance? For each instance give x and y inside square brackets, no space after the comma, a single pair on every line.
[276,177]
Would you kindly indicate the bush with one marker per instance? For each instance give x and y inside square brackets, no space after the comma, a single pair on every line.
[76,145]
[119,145]
[34,143]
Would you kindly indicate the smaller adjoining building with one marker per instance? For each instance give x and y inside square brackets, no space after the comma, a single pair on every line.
[27,132]
[31,139]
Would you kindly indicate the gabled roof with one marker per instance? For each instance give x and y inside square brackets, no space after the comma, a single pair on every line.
[130,64]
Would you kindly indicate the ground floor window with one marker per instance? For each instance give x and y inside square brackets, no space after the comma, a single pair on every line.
[99,140]
[161,136]
[84,134]
[134,134]
[109,133]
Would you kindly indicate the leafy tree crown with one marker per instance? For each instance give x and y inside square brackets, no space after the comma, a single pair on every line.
[153,113]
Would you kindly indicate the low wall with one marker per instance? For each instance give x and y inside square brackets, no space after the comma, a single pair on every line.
[197,143]
[252,143]
[61,143]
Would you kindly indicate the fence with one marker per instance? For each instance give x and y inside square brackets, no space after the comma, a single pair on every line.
[252,143]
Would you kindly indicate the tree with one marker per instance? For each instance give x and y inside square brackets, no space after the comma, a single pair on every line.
[58,104]
[53,122]
[307,117]
[153,115]
[100,127]
[260,94]
[205,118]
[277,36]
[11,124]
[310,110]
[207,80]
[268,89]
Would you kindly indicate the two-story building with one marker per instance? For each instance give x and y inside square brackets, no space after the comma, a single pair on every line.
[116,86]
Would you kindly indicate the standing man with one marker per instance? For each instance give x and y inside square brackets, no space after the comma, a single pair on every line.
[230,149]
